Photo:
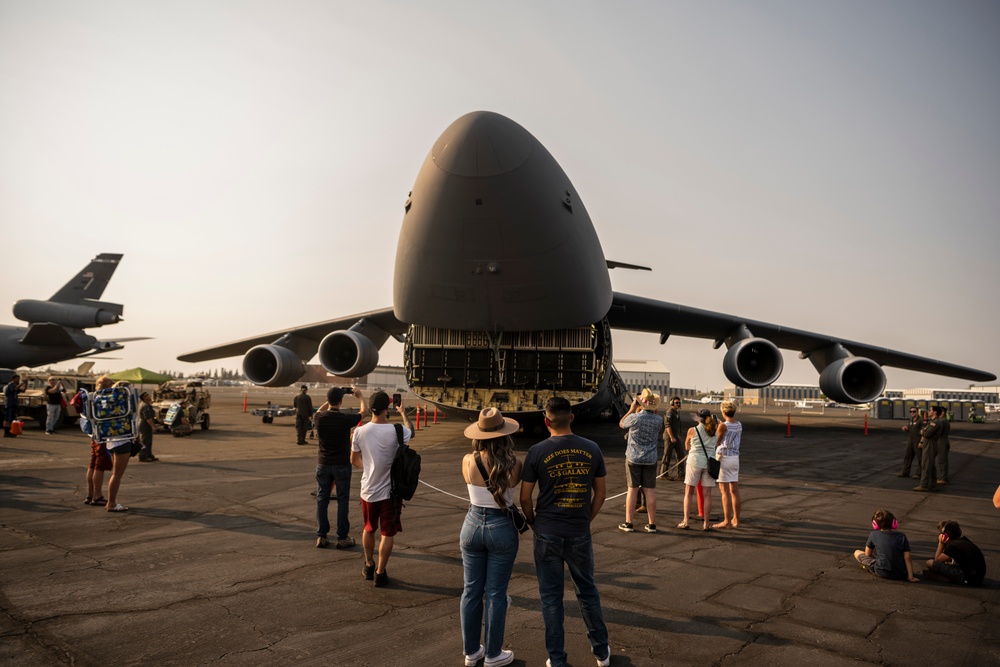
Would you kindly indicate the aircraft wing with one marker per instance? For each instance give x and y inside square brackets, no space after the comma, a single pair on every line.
[636,313]
[313,333]
[46,334]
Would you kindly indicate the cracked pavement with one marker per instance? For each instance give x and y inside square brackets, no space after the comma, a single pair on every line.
[215,562]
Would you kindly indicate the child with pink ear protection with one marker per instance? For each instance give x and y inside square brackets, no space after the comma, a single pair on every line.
[887,552]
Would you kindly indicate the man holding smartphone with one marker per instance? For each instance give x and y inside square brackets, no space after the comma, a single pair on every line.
[333,464]
[373,448]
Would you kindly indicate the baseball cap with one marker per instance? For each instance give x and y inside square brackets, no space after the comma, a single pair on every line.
[380,401]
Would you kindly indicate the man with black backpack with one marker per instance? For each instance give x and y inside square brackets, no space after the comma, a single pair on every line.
[373,449]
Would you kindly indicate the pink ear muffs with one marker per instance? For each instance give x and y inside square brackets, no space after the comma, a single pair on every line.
[875,526]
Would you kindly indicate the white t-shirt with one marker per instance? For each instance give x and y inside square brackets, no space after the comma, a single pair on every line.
[377,444]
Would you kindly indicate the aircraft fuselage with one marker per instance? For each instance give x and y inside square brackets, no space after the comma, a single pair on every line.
[501,276]
[14,353]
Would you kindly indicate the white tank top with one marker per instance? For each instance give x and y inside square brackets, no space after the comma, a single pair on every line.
[480,496]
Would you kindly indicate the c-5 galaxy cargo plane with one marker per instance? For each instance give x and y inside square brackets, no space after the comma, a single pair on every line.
[502,297]
[55,327]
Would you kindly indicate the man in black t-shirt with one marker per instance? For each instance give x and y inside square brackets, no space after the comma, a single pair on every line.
[570,474]
[957,559]
[333,466]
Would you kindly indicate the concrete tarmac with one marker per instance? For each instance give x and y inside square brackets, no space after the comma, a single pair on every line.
[215,563]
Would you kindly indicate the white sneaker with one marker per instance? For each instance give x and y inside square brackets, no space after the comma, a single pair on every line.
[606,661]
[471,660]
[505,658]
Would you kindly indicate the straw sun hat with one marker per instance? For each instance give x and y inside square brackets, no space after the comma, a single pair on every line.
[648,400]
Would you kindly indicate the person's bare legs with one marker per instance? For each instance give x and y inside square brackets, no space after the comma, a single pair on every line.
[384,550]
[119,463]
[95,480]
[734,490]
[368,544]
[708,506]
[688,492]
[858,553]
[724,494]
[633,493]
[651,506]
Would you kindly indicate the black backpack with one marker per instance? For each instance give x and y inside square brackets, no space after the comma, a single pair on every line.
[405,474]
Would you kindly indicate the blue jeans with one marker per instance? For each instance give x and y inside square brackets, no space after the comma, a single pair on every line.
[489,547]
[551,553]
[326,476]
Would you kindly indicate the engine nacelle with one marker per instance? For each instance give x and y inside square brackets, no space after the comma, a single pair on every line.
[272,366]
[73,315]
[348,354]
[852,380]
[753,363]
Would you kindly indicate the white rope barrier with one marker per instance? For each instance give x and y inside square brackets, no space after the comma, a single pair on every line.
[466,499]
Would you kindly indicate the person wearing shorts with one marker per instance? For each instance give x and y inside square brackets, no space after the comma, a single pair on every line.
[727,451]
[644,426]
[100,463]
[373,448]
[700,440]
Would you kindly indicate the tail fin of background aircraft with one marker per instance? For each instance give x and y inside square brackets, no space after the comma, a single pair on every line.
[91,281]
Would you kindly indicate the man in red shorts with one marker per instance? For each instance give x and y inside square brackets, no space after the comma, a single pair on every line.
[100,462]
[373,449]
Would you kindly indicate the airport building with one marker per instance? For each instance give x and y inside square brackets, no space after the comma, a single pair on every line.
[775,392]
[640,373]
[984,394]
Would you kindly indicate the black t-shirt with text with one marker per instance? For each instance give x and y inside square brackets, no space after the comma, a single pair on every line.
[563,467]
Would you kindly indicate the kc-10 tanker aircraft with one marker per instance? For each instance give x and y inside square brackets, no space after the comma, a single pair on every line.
[501,297]
[55,330]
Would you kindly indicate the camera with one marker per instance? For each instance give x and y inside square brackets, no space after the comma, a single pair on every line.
[397,400]
[348,391]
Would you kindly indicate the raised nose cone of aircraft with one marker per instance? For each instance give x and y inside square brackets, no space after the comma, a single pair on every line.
[496,238]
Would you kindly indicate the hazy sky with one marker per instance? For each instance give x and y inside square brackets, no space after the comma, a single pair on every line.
[829,166]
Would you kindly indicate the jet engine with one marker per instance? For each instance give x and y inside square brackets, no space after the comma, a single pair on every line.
[348,354]
[753,363]
[272,366]
[852,380]
[73,315]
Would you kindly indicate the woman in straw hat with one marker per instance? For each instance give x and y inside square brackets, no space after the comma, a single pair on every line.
[644,427]
[489,540]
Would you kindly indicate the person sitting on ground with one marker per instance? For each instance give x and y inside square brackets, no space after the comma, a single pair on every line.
[887,552]
[957,559]
[644,426]
[181,425]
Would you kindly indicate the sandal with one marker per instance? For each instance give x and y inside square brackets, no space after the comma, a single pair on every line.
[88,500]
[118,508]
[99,501]
[683,526]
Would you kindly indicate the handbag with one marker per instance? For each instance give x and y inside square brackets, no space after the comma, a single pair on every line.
[714,465]
[520,523]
